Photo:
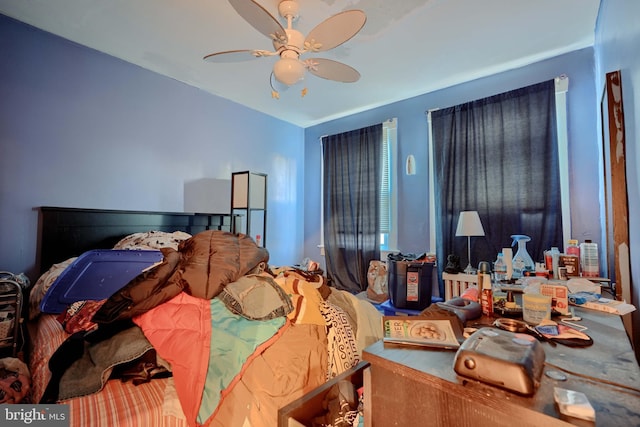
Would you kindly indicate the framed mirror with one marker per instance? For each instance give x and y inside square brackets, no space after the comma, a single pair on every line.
[617,260]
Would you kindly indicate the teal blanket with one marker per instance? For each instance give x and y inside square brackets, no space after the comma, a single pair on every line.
[233,340]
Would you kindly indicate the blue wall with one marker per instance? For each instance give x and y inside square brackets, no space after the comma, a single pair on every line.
[617,46]
[414,233]
[79,128]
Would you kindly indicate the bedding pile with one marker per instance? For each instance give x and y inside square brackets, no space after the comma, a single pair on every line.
[238,338]
[15,380]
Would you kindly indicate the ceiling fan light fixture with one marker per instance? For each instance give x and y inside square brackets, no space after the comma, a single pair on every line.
[288,71]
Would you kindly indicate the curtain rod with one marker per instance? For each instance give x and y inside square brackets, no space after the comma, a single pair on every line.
[392,120]
[561,85]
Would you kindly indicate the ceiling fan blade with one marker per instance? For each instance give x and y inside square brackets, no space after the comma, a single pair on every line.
[332,70]
[335,30]
[231,56]
[260,19]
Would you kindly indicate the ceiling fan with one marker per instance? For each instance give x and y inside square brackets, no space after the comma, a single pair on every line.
[290,44]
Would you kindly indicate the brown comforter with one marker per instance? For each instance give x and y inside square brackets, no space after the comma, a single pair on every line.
[201,267]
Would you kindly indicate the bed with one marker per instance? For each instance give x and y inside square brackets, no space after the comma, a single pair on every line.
[208,355]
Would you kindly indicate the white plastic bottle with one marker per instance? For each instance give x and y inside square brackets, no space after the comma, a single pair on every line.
[507,256]
[499,269]
[589,261]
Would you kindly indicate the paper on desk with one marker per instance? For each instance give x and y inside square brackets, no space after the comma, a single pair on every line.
[586,294]
[578,285]
[610,306]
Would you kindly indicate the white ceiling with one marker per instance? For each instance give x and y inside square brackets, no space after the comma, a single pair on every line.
[406,48]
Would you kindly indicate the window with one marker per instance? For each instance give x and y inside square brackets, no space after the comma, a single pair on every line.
[388,192]
[479,149]
[352,170]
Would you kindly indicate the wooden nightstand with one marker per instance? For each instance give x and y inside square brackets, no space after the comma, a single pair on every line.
[414,386]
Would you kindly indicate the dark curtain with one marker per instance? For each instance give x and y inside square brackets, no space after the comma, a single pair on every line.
[352,165]
[498,156]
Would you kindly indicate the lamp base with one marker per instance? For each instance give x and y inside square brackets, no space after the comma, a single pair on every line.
[470,270]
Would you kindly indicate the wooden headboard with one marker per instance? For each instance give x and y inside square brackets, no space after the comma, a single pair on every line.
[67,232]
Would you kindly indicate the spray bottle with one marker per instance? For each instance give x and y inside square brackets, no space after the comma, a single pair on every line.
[521,260]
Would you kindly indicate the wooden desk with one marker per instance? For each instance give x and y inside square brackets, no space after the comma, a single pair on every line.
[414,386]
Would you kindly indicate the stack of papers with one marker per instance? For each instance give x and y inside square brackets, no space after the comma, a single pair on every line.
[609,306]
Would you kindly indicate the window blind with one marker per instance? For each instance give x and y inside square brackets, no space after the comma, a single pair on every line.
[385,182]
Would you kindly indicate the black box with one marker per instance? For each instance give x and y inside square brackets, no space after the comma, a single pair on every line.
[409,284]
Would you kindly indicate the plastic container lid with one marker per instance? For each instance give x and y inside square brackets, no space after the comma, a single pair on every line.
[96,275]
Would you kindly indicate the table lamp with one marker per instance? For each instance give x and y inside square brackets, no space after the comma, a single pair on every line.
[469,225]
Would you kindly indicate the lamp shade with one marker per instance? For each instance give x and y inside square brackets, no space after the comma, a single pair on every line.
[469,224]
[288,71]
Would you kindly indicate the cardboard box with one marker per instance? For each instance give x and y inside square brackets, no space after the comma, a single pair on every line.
[559,297]
[571,263]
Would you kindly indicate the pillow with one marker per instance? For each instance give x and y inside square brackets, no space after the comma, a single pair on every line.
[43,284]
[256,297]
[152,240]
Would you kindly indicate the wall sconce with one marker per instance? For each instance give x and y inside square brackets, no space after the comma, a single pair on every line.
[411,165]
